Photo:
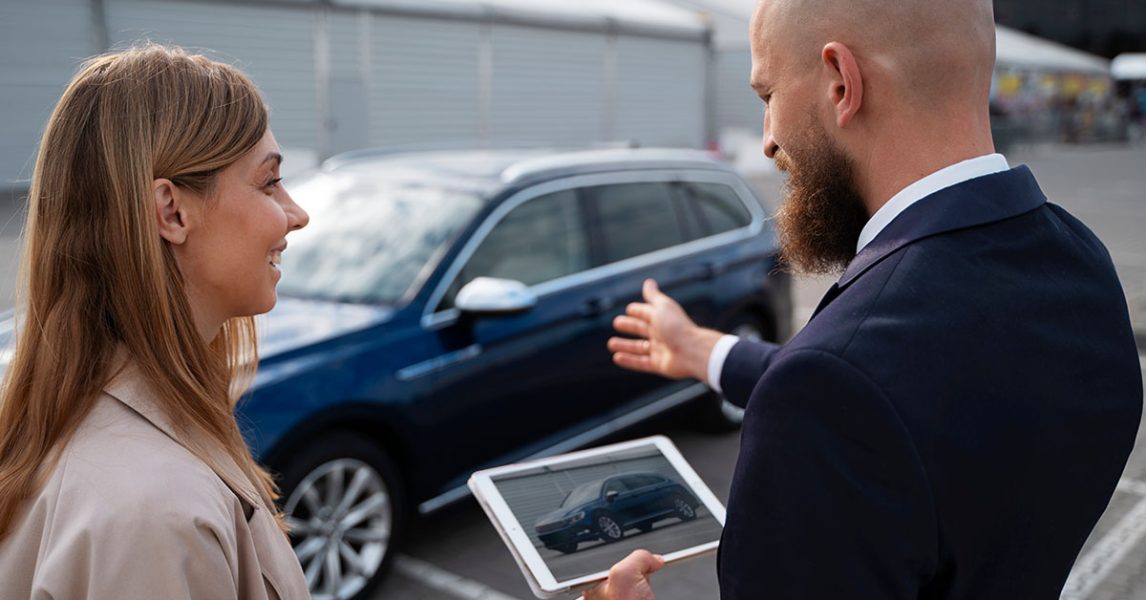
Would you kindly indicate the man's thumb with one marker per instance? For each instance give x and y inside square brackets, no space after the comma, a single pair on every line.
[651,291]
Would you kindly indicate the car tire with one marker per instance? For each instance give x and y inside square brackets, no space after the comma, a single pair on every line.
[608,528]
[341,494]
[685,511]
[715,414]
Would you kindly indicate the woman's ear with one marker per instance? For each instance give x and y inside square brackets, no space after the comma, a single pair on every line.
[170,210]
[845,81]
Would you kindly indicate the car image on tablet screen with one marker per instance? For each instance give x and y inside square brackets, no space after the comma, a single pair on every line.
[606,509]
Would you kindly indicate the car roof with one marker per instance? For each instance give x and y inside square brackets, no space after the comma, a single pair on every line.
[491,170]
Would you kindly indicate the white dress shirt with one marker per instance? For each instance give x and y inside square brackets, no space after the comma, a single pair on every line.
[943,178]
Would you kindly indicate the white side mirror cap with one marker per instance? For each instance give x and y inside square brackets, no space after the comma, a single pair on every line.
[489,295]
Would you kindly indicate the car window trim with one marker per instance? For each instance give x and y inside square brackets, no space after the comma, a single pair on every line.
[432,319]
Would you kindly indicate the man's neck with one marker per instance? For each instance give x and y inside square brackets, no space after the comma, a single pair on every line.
[903,159]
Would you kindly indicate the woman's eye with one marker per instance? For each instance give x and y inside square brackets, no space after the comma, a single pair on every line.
[272,183]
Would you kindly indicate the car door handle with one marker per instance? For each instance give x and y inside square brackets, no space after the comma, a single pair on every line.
[595,306]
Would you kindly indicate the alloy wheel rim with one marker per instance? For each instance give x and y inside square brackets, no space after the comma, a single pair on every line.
[340,518]
[610,527]
[683,508]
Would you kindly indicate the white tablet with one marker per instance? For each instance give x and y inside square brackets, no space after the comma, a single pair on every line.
[567,519]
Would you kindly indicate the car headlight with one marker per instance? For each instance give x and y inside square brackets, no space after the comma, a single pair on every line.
[577,517]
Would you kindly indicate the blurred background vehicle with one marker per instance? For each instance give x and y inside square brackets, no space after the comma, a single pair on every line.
[448,311]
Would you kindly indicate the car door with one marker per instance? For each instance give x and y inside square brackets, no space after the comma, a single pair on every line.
[641,230]
[512,383]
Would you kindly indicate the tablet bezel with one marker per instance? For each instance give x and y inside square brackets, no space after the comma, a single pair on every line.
[537,573]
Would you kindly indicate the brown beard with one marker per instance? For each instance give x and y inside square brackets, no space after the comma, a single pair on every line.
[822,214]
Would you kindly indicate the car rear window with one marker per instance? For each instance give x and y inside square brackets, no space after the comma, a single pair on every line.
[636,218]
[719,206]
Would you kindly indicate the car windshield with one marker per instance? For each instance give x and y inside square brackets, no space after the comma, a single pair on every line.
[586,492]
[370,238]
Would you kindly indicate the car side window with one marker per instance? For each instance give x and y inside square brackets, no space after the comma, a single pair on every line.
[540,240]
[720,207]
[635,219]
[616,485]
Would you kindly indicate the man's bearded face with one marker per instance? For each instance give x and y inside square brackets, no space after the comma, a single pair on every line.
[822,214]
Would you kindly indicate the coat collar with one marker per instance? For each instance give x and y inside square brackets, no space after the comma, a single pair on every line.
[130,387]
[974,202]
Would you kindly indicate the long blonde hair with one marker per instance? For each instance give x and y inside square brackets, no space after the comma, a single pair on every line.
[96,276]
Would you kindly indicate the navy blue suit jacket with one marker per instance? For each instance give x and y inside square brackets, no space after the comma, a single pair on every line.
[951,422]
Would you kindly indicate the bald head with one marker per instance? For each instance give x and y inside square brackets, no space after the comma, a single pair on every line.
[926,50]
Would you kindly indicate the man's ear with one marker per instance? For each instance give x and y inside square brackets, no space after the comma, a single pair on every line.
[845,81]
[171,210]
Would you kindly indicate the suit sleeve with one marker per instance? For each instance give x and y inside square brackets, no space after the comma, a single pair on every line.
[829,498]
[743,367]
[147,554]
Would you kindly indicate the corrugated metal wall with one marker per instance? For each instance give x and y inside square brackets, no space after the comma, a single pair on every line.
[548,86]
[660,93]
[340,78]
[273,44]
[41,45]
[425,83]
[736,105]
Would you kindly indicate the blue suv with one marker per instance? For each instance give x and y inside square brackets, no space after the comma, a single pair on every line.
[448,311]
[605,509]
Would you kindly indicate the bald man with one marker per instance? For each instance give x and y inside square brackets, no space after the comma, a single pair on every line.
[954,418]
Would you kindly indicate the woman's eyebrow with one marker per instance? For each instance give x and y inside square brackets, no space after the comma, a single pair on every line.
[275,156]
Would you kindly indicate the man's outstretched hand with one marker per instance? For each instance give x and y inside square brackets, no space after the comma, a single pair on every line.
[629,579]
[667,342]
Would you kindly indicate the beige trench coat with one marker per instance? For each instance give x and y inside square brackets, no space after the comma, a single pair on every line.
[130,514]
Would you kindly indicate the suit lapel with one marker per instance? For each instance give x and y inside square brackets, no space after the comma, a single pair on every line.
[975,202]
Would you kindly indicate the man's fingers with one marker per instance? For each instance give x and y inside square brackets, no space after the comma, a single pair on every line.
[631,326]
[651,291]
[638,347]
[634,362]
[638,563]
[640,310]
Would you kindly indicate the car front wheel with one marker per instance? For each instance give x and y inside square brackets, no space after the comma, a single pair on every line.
[609,529]
[344,506]
[684,510]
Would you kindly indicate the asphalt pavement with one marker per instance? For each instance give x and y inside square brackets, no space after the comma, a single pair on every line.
[455,553]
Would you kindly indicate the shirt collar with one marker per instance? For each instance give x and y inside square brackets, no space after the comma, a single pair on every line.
[941,179]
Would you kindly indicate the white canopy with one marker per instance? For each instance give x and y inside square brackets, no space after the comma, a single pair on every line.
[1020,50]
[1015,49]
[650,16]
[1129,66]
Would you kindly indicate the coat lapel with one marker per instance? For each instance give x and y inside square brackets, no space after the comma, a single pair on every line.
[131,388]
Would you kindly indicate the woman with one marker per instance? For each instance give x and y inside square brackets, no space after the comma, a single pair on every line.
[156,220]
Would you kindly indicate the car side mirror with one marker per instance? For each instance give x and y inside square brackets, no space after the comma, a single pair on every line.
[491,296]
[610,497]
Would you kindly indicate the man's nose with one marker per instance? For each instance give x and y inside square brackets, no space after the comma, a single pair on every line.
[770,145]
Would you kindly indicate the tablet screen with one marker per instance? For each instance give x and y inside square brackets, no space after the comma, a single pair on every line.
[584,515]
